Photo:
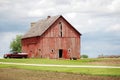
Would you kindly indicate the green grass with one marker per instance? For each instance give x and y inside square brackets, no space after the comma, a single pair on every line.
[48,61]
[86,71]
[67,62]
[52,61]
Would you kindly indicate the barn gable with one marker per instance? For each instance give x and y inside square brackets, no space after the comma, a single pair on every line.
[61,28]
[43,25]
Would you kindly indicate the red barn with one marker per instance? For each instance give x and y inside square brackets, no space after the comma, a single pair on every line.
[53,37]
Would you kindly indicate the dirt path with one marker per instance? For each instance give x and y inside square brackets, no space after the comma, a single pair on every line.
[21,74]
[54,65]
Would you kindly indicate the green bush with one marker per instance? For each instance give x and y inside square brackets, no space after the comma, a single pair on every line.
[84,56]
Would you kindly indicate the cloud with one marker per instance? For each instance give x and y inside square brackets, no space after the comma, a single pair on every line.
[39,8]
[114,7]
[114,28]
[96,43]
[13,25]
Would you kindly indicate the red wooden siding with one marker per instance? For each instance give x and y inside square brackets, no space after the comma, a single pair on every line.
[50,43]
[67,30]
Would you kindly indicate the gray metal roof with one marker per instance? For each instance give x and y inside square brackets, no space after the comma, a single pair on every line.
[40,27]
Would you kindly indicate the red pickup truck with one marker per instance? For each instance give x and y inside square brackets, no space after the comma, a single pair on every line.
[16,55]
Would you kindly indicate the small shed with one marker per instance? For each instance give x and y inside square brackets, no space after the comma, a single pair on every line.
[53,37]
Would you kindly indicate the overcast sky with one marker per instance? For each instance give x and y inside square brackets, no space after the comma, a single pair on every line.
[97,20]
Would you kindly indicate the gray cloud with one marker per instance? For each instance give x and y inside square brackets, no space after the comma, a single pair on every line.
[100,42]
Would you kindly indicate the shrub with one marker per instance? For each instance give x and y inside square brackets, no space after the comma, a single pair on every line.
[84,56]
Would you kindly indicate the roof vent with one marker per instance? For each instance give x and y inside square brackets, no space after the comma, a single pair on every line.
[48,17]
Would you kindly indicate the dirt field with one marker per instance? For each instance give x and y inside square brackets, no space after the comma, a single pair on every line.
[112,61]
[20,74]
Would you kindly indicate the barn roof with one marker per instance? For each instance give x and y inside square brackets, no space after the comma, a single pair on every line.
[41,26]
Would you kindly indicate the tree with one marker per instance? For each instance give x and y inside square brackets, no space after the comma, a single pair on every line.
[15,45]
[84,56]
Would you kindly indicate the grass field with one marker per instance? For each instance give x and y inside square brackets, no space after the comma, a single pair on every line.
[94,61]
[49,61]
[86,71]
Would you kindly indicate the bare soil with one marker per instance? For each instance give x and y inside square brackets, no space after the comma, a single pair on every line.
[21,74]
[107,62]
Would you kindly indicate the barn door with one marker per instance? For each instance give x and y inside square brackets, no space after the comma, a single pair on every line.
[32,50]
[60,53]
[65,54]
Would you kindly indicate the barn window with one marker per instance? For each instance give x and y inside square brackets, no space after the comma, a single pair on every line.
[60,26]
[52,50]
[69,50]
[39,49]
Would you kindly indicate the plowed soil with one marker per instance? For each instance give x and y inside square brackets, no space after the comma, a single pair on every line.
[20,74]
